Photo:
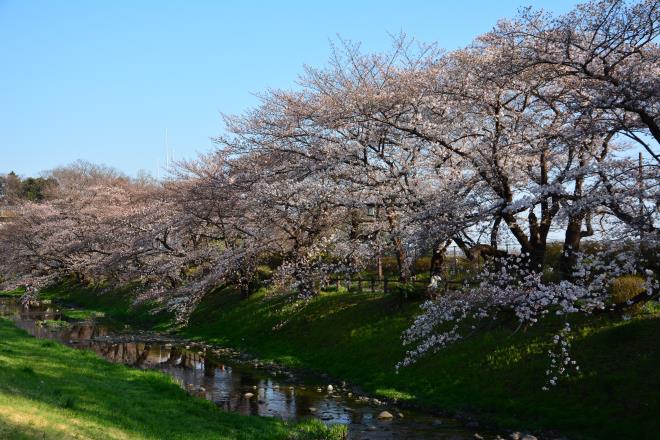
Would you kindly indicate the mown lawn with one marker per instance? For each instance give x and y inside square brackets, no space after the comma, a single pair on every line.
[496,374]
[48,391]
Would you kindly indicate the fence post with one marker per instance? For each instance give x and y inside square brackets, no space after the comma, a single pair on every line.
[373,287]
[337,283]
[360,285]
[385,285]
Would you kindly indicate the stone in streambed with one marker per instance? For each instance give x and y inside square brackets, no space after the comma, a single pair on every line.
[385,415]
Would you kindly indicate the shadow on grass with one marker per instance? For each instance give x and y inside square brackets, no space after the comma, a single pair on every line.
[497,374]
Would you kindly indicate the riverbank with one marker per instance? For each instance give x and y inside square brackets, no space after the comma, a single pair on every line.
[497,374]
[49,391]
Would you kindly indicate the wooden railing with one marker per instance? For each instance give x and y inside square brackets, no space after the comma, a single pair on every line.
[385,284]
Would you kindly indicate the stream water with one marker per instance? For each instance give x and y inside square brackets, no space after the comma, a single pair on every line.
[235,383]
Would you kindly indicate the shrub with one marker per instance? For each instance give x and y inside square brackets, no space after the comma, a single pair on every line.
[423,265]
[625,288]
[553,253]
[407,291]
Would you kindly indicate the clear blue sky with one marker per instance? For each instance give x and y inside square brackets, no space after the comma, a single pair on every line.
[102,80]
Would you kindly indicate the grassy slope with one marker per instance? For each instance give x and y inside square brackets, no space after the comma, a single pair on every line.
[16,292]
[496,374]
[117,304]
[48,391]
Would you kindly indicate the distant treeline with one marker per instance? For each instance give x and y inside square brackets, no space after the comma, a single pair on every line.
[31,188]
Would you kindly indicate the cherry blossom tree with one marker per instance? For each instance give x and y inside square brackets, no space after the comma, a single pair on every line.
[531,130]
[606,50]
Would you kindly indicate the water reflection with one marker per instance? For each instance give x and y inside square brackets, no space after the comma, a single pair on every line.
[233,386]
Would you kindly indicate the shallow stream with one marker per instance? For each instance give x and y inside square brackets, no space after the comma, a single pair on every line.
[235,382]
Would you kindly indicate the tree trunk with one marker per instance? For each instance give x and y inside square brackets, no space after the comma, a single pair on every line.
[401,257]
[380,265]
[574,233]
[399,249]
[438,257]
[571,247]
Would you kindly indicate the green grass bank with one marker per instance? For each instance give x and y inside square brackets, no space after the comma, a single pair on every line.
[49,391]
[496,374]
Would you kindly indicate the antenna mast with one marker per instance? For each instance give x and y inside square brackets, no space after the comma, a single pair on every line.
[167,152]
